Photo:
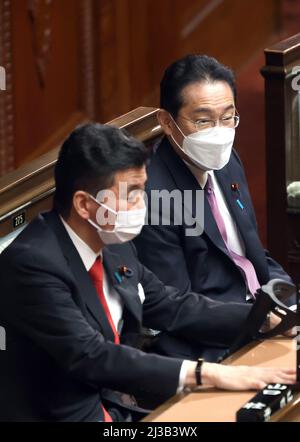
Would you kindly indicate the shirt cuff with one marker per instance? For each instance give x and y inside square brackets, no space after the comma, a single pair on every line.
[182,376]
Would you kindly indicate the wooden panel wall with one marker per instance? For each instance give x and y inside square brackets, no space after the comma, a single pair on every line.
[138,39]
[71,60]
[7,128]
[48,54]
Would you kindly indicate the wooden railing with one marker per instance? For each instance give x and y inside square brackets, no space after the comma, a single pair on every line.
[28,190]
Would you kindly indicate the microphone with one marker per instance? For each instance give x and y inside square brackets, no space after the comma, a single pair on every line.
[269,298]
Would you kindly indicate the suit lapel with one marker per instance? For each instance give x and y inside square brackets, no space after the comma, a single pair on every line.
[83,280]
[240,214]
[242,218]
[125,288]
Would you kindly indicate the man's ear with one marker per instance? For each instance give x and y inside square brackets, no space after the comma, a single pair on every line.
[82,204]
[165,121]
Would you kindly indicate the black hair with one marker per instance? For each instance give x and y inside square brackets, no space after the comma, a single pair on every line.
[89,159]
[187,70]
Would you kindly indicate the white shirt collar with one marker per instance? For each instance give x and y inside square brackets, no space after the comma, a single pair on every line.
[87,255]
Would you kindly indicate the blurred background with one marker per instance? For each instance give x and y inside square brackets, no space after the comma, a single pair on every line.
[68,61]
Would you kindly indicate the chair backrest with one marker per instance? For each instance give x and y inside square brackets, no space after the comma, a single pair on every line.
[29,190]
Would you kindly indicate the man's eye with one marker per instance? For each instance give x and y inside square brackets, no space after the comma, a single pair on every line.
[227,118]
[202,121]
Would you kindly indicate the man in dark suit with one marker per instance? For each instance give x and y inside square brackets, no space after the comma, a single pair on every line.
[223,259]
[72,308]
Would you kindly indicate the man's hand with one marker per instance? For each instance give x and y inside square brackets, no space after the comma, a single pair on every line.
[275,320]
[240,377]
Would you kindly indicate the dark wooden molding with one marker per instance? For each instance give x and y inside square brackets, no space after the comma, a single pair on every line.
[87,65]
[7,159]
[40,16]
[284,53]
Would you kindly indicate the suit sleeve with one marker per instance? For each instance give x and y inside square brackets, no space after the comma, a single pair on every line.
[190,315]
[37,301]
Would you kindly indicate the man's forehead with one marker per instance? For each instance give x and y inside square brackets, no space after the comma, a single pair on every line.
[207,95]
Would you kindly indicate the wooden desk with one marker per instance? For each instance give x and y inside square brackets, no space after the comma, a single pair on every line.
[210,405]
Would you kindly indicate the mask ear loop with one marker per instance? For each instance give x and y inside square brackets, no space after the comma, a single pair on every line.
[97,226]
[114,212]
[184,136]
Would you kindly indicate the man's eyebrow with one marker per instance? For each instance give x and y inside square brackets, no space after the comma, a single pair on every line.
[209,110]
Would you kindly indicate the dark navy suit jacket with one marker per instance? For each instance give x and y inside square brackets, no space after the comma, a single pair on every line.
[202,263]
[60,362]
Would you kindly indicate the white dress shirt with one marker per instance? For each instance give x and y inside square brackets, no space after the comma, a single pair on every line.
[114,301]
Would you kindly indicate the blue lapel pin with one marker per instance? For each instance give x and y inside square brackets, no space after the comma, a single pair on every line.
[240,204]
[123,271]
[118,277]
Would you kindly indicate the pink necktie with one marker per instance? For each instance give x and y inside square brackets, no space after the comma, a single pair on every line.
[245,265]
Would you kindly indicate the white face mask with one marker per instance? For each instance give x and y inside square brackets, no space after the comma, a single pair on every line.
[128,224]
[208,149]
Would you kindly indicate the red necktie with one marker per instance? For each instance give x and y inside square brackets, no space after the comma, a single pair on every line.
[96,273]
